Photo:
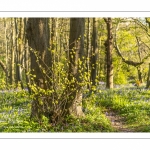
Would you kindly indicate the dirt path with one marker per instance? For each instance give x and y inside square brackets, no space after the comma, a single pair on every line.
[117,121]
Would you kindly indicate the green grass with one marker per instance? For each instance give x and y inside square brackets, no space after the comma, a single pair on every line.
[15,112]
[132,104]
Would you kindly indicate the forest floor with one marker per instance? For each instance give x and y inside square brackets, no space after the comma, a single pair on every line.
[117,122]
[123,110]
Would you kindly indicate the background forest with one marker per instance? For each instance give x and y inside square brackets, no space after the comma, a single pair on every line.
[74,74]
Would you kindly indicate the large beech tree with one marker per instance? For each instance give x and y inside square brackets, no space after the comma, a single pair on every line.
[38,35]
[38,40]
[76,47]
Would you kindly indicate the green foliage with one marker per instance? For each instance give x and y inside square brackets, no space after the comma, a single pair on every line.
[123,73]
[120,78]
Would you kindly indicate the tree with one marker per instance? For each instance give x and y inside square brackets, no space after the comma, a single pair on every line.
[94,54]
[109,48]
[148,78]
[26,59]
[19,27]
[38,36]
[6,49]
[3,67]
[76,47]
[88,51]
[38,40]
[12,64]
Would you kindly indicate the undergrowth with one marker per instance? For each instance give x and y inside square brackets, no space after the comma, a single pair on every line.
[15,116]
[130,103]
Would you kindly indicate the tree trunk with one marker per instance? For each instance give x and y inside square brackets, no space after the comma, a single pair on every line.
[27,66]
[88,48]
[6,49]
[109,48]
[139,74]
[27,59]
[12,67]
[148,78]
[76,45]
[19,43]
[20,50]
[94,53]
[38,40]
[3,66]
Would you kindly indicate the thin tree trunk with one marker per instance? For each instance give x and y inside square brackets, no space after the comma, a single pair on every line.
[88,48]
[12,67]
[94,53]
[27,66]
[139,74]
[139,67]
[19,53]
[27,59]
[109,48]
[6,50]
[148,78]
[3,66]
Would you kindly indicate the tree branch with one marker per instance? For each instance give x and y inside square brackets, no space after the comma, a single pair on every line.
[3,66]
[129,62]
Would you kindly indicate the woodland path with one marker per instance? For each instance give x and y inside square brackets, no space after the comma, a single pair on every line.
[117,122]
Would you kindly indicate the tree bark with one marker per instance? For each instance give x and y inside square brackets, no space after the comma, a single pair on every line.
[19,24]
[6,49]
[76,45]
[94,54]
[139,74]
[27,60]
[148,78]
[12,67]
[109,48]
[38,40]
[3,66]
[88,49]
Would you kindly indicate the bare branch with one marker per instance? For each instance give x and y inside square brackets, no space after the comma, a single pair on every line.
[142,26]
